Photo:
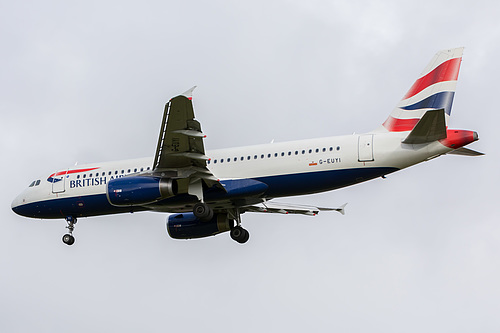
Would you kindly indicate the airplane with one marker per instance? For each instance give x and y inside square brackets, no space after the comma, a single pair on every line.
[207,192]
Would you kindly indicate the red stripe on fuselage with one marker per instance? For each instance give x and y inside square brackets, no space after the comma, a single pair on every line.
[447,71]
[60,173]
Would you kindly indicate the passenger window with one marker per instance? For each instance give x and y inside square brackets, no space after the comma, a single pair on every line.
[254,157]
[222,160]
[242,158]
[303,152]
[228,159]
[268,155]
[331,148]
[296,152]
[215,161]
[317,150]
[289,153]
[338,148]
[90,176]
[248,157]
[77,176]
[116,172]
[84,175]
[275,154]
[235,159]
[324,149]
[128,171]
[282,153]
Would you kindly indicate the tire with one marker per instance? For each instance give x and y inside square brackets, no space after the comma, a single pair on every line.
[203,212]
[245,237]
[68,239]
[240,235]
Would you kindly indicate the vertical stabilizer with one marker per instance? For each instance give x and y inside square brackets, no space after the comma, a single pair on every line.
[434,89]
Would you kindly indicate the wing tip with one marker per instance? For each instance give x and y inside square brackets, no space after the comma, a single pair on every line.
[341,209]
[189,93]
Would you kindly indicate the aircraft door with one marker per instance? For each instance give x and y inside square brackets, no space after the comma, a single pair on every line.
[59,183]
[365,148]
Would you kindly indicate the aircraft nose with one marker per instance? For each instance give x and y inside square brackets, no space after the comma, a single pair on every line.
[475,136]
[17,205]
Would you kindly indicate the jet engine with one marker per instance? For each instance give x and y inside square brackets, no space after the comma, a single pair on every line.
[186,226]
[139,190]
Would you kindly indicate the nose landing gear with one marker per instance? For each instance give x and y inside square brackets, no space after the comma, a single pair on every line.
[68,239]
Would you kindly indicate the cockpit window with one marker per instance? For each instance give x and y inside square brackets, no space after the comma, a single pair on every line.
[35,183]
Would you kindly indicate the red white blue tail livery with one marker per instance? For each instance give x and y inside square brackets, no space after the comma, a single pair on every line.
[434,89]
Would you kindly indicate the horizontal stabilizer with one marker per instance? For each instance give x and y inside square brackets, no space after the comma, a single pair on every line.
[465,152]
[431,127]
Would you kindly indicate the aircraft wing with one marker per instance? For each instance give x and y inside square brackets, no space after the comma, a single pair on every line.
[282,208]
[180,152]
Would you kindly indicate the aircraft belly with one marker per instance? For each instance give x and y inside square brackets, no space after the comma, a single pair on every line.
[313,182]
[81,206]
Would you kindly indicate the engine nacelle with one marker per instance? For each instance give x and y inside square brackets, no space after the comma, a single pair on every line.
[139,190]
[186,226]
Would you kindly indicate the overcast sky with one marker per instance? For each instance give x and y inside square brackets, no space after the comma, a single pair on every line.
[87,81]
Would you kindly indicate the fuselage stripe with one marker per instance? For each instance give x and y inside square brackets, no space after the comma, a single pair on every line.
[69,172]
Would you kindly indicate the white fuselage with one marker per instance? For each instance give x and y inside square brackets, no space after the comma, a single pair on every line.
[288,168]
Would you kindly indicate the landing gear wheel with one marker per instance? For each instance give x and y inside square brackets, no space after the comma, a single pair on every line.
[239,234]
[68,239]
[203,212]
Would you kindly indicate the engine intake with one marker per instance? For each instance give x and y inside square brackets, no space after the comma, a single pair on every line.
[139,190]
[186,226]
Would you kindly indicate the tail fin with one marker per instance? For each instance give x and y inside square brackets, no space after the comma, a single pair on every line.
[434,89]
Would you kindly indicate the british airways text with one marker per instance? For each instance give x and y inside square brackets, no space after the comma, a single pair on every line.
[90,181]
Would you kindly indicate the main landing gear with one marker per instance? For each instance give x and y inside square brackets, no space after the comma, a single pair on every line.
[237,232]
[68,238]
[204,213]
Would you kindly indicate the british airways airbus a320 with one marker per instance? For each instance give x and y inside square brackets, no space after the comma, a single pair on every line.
[208,191]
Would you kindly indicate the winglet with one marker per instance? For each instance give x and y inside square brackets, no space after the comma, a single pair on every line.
[341,209]
[189,93]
